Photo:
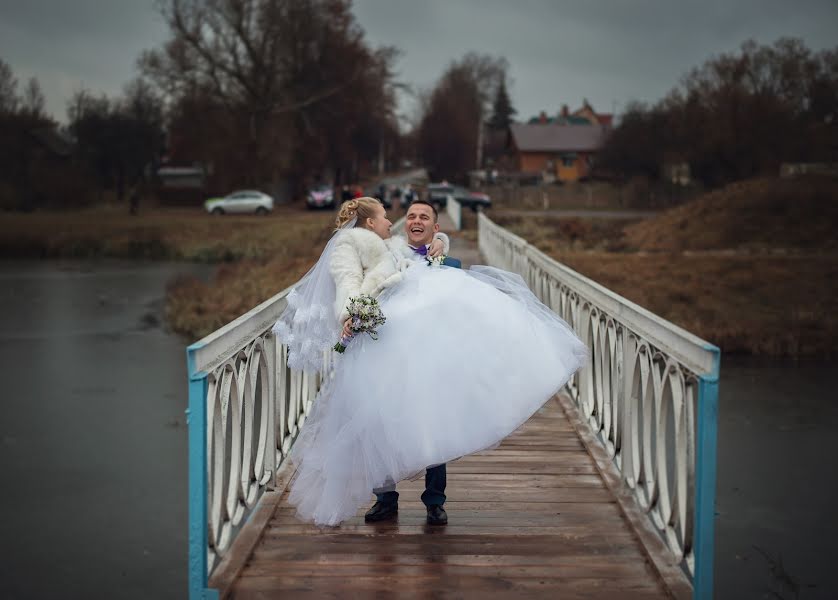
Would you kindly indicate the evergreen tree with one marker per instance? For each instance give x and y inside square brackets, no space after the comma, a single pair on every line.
[502,109]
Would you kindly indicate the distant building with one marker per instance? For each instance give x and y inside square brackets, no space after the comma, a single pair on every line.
[563,152]
[788,170]
[677,173]
[581,116]
[186,185]
[181,177]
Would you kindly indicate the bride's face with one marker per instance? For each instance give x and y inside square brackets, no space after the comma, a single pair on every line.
[380,224]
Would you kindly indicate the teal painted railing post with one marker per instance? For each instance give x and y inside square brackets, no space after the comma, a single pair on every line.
[196,419]
[705,480]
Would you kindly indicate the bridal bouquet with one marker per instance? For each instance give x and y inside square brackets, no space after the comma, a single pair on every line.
[365,315]
[436,261]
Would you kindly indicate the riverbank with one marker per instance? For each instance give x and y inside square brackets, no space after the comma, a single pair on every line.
[752,267]
[112,439]
[257,256]
[767,288]
[181,234]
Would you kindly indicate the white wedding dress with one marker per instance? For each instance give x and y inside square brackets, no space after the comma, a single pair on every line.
[464,359]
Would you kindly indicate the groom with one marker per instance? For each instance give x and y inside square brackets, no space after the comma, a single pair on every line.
[420,226]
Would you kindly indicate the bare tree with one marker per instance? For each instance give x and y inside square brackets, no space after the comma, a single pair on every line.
[118,138]
[33,102]
[455,112]
[737,115]
[8,89]
[293,79]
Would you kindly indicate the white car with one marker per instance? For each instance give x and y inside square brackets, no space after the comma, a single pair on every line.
[241,202]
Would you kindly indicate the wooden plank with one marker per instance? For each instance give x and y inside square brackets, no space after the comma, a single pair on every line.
[500,467]
[575,564]
[453,593]
[233,562]
[481,518]
[491,510]
[565,494]
[530,483]
[655,550]
[532,517]
[439,545]
[561,532]
[631,571]
[436,584]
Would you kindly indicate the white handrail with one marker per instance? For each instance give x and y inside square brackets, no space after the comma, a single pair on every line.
[649,394]
[455,212]
[246,408]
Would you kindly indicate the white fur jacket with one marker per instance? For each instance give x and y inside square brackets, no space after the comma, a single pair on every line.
[363,263]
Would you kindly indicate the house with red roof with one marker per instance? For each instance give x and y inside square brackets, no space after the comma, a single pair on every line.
[564,146]
[566,152]
[586,115]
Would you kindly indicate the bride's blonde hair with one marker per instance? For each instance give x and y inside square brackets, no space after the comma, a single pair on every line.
[363,208]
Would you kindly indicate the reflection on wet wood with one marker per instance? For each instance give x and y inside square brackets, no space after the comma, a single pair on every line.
[532,518]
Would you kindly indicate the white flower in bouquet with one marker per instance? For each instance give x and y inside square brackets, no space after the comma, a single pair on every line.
[435,261]
[365,317]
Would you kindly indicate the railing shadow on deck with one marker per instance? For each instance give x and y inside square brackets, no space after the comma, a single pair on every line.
[649,396]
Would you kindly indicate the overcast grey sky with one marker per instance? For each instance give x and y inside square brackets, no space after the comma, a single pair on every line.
[609,51]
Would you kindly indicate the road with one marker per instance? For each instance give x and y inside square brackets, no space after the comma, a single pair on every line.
[579,213]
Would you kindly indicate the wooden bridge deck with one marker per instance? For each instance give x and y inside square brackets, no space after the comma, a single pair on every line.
[532,518]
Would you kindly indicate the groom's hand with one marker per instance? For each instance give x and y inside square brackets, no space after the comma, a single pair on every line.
[435,249]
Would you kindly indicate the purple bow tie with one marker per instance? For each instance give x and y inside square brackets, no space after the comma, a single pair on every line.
[422,250]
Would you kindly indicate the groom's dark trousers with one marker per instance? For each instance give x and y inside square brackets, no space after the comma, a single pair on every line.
[435,476]
[434,488]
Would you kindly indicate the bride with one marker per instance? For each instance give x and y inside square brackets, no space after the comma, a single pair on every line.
[464,359]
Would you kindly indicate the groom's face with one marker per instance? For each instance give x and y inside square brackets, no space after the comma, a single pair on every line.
[420,225]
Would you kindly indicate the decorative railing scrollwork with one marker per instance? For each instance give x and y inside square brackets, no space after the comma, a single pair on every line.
[649,394]
[246,407]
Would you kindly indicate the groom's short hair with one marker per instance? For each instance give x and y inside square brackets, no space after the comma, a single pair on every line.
[426,203]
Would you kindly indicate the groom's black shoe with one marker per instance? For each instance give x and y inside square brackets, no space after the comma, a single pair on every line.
[381,511]
[437,515]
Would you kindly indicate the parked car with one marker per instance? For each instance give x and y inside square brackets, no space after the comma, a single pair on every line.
[408,195]
[321,196]
[438,194]
[381,192]
[241,202]
[473,200]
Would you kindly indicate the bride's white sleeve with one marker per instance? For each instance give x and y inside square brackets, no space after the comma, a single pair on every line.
[348,274]
[446,244]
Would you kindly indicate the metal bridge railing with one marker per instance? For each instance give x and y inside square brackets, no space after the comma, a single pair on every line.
[245,410]
[650,395]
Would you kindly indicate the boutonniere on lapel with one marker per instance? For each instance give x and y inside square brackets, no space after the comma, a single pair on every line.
[435,262]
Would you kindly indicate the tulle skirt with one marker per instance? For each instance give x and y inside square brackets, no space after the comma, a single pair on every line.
[464,359]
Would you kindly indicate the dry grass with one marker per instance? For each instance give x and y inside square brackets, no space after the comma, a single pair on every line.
[261,255]
[744,301]
[171,234]
[778,306]
[195,308]
[793,214]
[752,267]
[563,234]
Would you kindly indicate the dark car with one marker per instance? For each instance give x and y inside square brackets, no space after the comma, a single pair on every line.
[438,194]
[321,196]
[408,195]
[381,192]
